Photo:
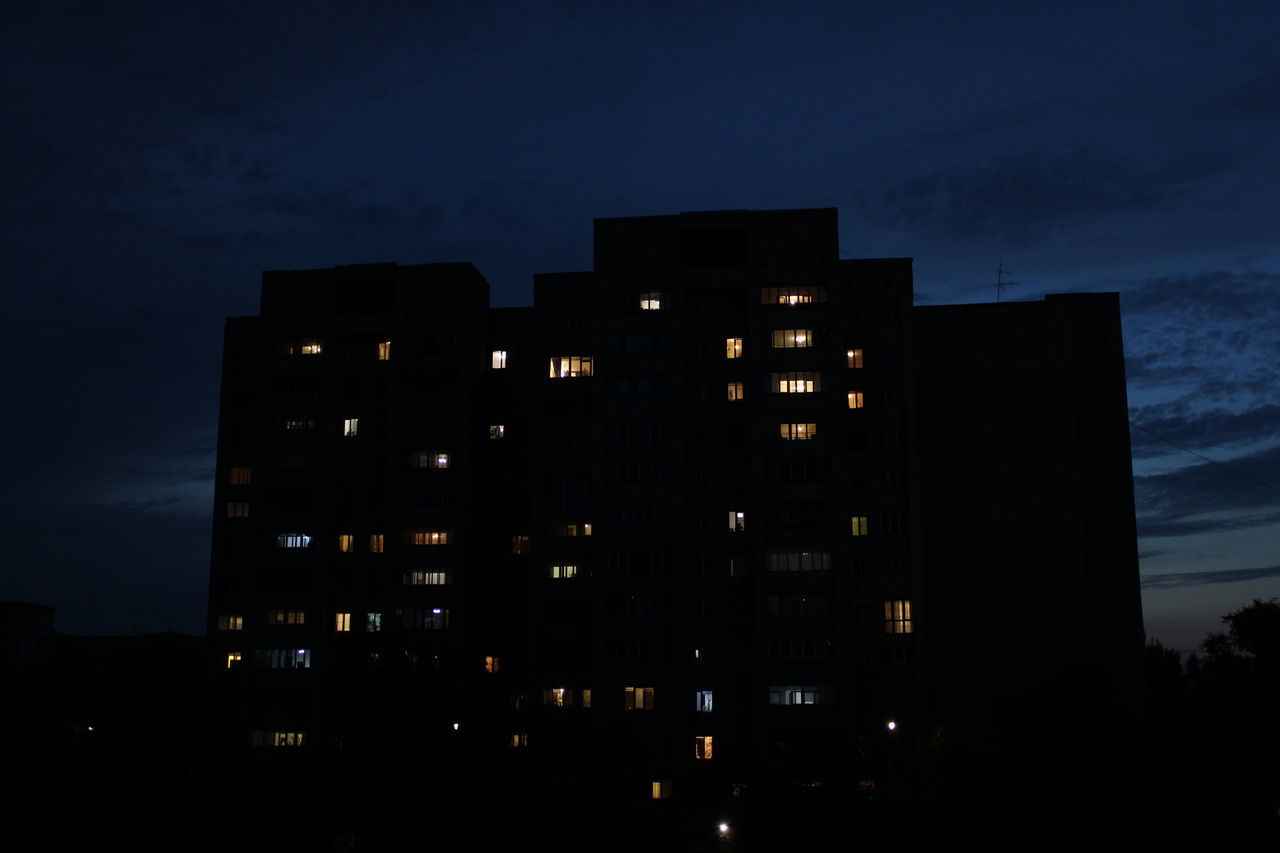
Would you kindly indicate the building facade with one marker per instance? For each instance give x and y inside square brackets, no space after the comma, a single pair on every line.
[725,512]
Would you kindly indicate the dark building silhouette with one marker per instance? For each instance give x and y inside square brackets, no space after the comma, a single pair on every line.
[701,522]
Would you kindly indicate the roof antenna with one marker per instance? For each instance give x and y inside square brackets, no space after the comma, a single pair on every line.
[1000,284]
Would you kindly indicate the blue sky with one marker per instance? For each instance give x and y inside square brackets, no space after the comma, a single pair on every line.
[159,156]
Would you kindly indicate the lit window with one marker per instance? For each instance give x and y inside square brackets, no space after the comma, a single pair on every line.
[342,622]
[651,301]
[897,616]
[856,400]
[637,698]
[792,338]
[346,542]
[519,740]
[797,432]
[237,509]
[350,426]
[310,347]
[702,700]
[562,572]
[286,617]
[428,459]
[429,537]
[230,623]
[859,525]
[660,790]
[426,578]
[234,659]
[300,423]
[801,695]
[796,382]
[702,747]
[735,391]
[293,540]
[519,544]
[586,697]
[733,347]
[384,350]
[497,431]
[429,618]
[239,475]
[557,697]
[855,358]
[491,663]
[801,295]
[737,521]
[373,622]
[573,528]
[566,366]
[273,739]
[375,543]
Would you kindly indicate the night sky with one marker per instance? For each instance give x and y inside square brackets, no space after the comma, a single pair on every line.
[159,156]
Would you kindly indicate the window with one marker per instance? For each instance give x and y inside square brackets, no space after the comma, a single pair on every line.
[737,521]
[428,618]
[519,740]
[859,525]
[735,391]
[796,382]
[310,347]
[237,509]
[897,616]
[519,544]
[373,622]
[660,789]
[342,622]
[797,432]
[557,697]
[346,542]
[230,623]
[702,699]
[293,540]
[800,295]
[428,459]
[798,561]
[566,366]
[572,528]
[733,347]
[384,350]
[286,617]
[702,747]
[239,475]
[856,400]
[429,537]
[491,663]
[274,739]
[792,338]
[282,659]
[425,578]
[375,543]
[854,357]
[563,572]
[651,300]
[637,698]
[350,426]
[797,695]
[498,359]
[497,431]
[300,423]
[234,659]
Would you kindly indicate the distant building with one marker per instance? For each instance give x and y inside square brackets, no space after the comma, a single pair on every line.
[711,515]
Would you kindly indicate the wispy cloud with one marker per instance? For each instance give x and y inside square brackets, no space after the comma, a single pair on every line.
[1181,579]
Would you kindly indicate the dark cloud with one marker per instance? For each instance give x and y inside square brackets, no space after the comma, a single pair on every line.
[1181,579]
[1016,195]
[1208,496]
[1157,433]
